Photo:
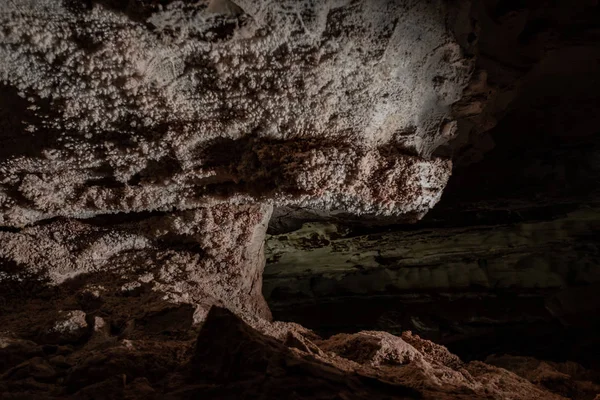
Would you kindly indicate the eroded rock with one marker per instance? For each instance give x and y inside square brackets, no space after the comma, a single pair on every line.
[143,146]
[312,104]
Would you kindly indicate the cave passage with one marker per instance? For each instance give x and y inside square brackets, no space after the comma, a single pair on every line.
[304,200]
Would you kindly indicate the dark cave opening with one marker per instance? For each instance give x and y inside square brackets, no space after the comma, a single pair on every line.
[542,171]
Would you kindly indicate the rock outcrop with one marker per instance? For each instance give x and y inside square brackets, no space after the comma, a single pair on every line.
[321,105]
[145,146]
[136,271]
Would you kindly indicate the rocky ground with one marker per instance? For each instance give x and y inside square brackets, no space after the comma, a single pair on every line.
[228,359]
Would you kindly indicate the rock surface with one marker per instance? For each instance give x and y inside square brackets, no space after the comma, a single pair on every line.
[526,284]
[138,270]
[144,146]
[329,105]
[230,359]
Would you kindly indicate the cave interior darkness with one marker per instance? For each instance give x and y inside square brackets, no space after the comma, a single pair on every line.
[311,200]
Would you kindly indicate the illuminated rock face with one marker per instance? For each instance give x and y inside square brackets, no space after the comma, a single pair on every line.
[143,149]
[201,257]
[326,105]
[145,146]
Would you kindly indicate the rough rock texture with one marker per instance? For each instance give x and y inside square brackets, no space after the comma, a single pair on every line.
[569,379]
[144,144]
[508,260]
[199,257]
[533,254]
[305,103]
[230,360]
[526,132]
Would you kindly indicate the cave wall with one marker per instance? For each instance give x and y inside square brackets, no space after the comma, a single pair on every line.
[143,107]
[144,146]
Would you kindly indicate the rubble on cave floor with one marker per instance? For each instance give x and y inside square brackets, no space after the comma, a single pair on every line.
[228,359]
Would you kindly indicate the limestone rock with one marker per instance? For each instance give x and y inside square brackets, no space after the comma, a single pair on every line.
[70,327]
[316,104]
[145,144]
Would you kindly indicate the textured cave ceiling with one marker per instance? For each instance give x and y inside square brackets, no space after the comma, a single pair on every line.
[299,199]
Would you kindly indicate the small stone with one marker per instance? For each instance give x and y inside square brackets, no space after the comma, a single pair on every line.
[41,370]
[73,321]
[99,324]
[69,328]
[36,368]
[60,362]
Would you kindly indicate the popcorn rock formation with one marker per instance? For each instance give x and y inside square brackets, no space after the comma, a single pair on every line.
[329,105]
[145,146]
